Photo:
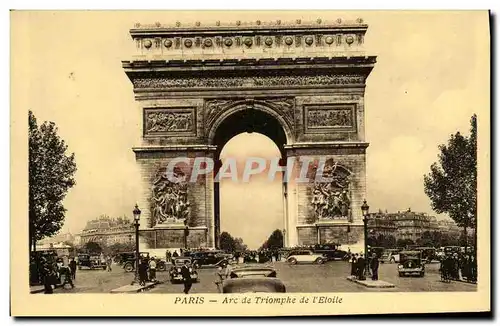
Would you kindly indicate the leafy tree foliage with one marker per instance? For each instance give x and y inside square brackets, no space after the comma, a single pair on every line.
[93,247]
[50,177]
[451,184]
[275,240]
[230,244]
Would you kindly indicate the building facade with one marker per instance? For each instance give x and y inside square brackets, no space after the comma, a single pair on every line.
[108,231]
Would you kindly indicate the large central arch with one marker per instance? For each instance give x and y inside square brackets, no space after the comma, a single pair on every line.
[245,116]
[301,84]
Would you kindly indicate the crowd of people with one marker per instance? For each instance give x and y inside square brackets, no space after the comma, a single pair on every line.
[458,266]
[56,272]
[359,265]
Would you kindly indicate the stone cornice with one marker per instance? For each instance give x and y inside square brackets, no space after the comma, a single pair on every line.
[341,61]
[147,149]
[249,40]
[197,28]
[312,145]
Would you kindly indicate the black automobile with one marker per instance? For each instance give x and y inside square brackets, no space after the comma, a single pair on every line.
[91,261]
[175,270]
[128,261]
[208,258]
[330,252]
[411,263]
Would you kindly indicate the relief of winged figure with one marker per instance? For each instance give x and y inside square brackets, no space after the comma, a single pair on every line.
[169,199]
[331,200]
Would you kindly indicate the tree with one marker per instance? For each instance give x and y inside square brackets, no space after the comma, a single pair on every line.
[451,184]
[390,241]
[93,247]
[230,244]
[404,243]
[275,240]
[50,177]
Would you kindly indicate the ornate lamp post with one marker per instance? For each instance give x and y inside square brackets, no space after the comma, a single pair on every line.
[186,233]
[284,238]
[365,209]
[137,217]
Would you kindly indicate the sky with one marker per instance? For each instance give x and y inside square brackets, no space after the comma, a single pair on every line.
[430,77]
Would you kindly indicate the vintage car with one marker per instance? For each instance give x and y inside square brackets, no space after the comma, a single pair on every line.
[330,252]
[390,256]
[128,261]
[208,258]
[411,263]
[91,261]
[305,257]
[253,279]
[175,270]
[428,254]
[377,250]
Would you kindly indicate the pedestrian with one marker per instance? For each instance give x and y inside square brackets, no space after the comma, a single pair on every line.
[168,256]
[143,272]
[186,277]
[66,276]
[152,270]
[374,263]
[72,268]
[175,254]
[354,260]
[47,276]
[361,267]
[109,261]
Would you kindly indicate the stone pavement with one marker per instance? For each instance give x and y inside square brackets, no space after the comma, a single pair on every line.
[135,288]
[370,283]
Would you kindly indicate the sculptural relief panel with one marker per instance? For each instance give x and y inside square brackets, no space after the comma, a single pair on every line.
[170,121]
[169,197]
[330,117]
[332,200]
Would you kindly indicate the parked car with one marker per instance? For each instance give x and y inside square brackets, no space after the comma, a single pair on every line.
[390,256]
[411,263]
[175,270]
[428,253]
[91,261]
[128,261]
[304,257]
[253,279]
[330,252]
[204,258]
[378,250]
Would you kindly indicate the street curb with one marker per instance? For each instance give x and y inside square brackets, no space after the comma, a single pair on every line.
[368,284]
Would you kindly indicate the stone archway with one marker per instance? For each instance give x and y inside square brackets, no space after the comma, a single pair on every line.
[308,79]
[246,116]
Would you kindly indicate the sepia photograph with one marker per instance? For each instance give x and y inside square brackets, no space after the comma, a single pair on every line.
[233,161]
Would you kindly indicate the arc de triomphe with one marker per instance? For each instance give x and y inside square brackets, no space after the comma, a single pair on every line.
[301,84]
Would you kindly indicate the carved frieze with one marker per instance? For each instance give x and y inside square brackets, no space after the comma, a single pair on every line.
[284,106]
[169,198]
[158,121]
[255,81]
[332,200]
[329,117]
[213,108]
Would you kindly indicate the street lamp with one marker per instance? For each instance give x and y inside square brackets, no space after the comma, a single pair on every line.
[284,238]
[137,217]
[186,233]
[365,209]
